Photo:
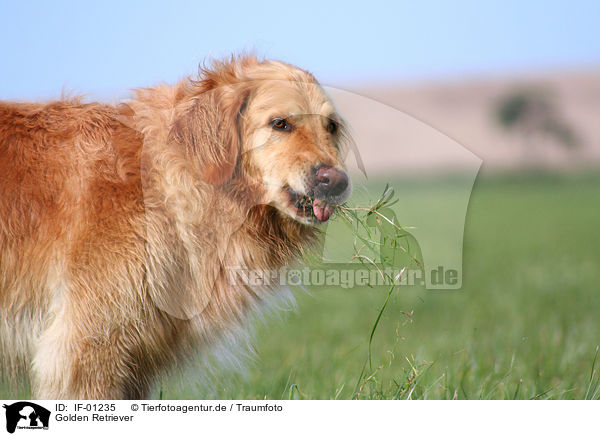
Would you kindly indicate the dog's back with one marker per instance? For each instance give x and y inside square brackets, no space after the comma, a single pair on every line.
[65,168]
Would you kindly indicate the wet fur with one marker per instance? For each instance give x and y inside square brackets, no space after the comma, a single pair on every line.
[117,224]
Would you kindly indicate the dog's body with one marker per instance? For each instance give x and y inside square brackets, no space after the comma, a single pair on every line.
[117,224]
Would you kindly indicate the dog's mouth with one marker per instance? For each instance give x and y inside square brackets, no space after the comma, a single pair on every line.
[314,209]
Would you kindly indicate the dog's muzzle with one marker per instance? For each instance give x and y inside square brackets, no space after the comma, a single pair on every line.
[330,187]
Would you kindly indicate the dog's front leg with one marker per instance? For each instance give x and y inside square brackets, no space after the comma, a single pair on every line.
[84,354]
[74,364]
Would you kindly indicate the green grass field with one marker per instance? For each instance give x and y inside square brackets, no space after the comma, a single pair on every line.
[525,325]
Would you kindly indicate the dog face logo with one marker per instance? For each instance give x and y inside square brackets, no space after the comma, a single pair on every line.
[26,415]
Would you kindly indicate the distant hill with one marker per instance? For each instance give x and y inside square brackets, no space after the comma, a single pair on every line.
[466,111]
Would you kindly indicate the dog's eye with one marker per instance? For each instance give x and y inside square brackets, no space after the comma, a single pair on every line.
[281,124]
[332,127]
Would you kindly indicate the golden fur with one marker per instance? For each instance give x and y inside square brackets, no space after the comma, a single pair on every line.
[117,223]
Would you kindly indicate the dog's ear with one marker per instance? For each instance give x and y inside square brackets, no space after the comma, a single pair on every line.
[210,132]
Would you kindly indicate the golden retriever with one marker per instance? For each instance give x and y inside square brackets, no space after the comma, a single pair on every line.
[117,223]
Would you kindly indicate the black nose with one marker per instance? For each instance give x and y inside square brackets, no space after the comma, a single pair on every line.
[330,182]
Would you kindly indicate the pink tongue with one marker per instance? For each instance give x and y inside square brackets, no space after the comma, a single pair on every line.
[322,210]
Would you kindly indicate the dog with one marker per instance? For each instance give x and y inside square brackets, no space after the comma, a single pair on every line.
[118,223]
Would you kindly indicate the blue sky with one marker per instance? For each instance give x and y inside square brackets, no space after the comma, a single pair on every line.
[105,48]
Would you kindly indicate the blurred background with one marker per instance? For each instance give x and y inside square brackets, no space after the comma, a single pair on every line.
[512,85]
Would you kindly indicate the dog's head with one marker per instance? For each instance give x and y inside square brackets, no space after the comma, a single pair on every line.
[270,126]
